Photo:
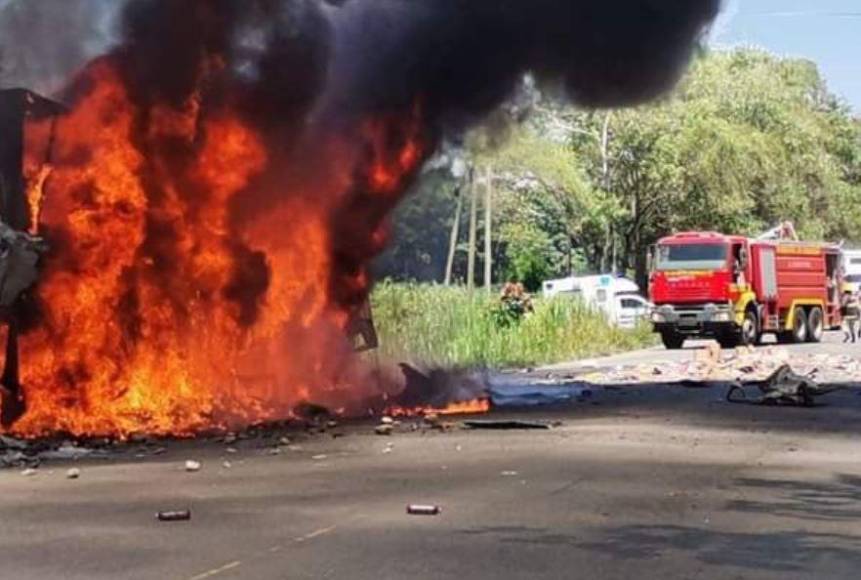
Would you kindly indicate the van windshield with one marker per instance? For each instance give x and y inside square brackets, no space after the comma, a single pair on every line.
[692,257]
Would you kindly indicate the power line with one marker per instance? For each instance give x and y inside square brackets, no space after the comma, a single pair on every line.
[799,13]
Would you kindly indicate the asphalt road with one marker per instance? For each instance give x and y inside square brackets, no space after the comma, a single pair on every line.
[644,482]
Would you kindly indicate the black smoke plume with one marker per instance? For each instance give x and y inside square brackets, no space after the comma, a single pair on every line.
[297,66]
[462,57]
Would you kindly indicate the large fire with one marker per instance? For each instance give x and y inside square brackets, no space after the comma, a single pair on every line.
[161,311]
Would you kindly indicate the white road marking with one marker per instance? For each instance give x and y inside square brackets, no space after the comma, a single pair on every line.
[273,549]
[317,534]
[217,571]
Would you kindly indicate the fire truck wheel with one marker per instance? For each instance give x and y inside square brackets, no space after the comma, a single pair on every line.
[815,325]
[799,326]
[749,334]
[672,340]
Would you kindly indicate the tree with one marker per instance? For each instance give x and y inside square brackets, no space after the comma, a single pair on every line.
[528,249]
[540,186]
[420,231]
[746,141]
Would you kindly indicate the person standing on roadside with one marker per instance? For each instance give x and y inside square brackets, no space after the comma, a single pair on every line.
[857,302]
[851,308]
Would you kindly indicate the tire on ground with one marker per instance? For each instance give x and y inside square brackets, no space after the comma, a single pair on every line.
[749,332]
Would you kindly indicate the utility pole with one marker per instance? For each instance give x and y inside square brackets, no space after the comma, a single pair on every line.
[605,185]
[488,229]
[455,234]
[473,226]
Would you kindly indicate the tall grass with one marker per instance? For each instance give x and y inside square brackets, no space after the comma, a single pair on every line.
[454,327]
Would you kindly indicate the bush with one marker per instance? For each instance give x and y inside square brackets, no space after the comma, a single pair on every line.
[451,327]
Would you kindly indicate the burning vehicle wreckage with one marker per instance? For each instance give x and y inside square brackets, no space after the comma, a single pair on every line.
[25,165]
[188,239]
[20,247]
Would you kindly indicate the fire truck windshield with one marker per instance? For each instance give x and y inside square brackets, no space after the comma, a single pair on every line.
[692,257]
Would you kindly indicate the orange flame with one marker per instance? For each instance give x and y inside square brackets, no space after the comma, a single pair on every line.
[146,322]
[474,407]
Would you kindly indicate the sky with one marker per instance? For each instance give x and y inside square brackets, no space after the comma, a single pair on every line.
[827,32]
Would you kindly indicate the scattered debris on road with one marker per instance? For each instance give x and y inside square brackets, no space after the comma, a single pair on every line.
[174,516]
[384,429]
[29,472]
[192,466]
[32,452]
[13,459]
[12,443]
[710,364]
[424,510]
[73,473]
[67,451]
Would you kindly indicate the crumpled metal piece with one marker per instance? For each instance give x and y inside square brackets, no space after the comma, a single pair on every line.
[19,257]
[783,387]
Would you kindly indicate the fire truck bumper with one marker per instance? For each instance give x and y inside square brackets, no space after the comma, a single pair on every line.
[711,319]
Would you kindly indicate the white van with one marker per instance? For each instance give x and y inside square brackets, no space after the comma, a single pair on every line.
[619,298]
[852,269]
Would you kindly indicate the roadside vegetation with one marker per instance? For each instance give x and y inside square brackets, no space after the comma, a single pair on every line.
[453,327]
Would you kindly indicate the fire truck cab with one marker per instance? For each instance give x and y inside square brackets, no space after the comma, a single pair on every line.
[736,289]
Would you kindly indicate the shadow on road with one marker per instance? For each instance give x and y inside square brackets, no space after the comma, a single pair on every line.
[836,500]
[782,551]
[705,405]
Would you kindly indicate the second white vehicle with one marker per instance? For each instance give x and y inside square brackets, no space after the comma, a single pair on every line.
[619,298]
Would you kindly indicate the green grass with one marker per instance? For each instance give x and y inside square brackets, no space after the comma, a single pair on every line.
[452,327]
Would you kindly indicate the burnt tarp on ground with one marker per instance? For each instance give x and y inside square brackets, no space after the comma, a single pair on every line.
[513,391]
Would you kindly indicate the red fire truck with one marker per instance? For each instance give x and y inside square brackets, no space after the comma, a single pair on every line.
[736,289]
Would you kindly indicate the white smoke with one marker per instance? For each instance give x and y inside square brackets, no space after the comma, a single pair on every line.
[42,42]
